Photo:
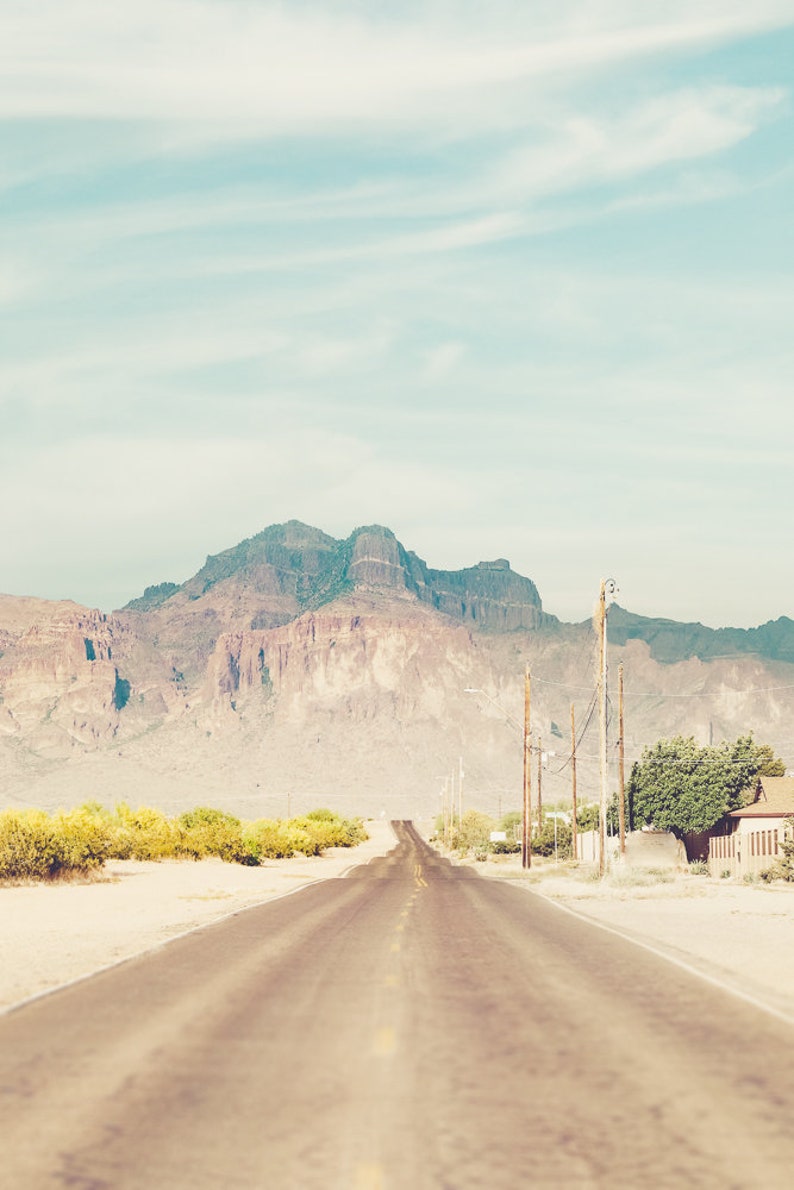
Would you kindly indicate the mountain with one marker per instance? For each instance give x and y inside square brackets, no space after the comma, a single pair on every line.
[670,641]
[297,669]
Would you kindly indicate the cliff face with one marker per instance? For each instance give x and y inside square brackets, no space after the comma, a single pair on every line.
[346,672]
[60,682]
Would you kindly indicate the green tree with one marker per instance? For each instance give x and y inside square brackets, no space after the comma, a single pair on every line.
[512,824]
[473,832]
[681,787]
[587,817]
[543,840]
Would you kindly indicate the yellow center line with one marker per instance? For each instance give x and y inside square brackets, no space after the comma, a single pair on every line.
[369,1176]
[385,1042]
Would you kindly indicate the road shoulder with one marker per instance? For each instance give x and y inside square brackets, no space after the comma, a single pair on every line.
[739,936]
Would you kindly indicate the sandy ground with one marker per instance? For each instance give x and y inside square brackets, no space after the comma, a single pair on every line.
[51,934]
[741,936]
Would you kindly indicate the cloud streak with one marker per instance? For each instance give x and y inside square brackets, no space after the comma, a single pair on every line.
[501,276]
[276,69]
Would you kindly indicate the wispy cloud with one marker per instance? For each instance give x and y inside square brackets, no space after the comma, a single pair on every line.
[453,228]
[582,150]
[283,69]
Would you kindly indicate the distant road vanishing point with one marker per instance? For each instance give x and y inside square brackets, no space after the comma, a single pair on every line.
[409,1026]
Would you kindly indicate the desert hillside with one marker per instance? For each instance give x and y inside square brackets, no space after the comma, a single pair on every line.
[294,670]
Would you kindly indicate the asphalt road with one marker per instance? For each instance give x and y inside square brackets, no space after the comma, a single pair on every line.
[411,1025]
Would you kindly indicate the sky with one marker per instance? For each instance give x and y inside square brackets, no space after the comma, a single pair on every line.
[514,279]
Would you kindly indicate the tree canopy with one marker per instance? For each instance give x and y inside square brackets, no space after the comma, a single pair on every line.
[682,787]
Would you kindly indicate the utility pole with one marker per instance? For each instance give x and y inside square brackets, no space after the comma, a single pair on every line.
[608,588]
[460,792]
[621,769]
[451,802]
[540,794]
[574,829]
[452,807]
[526,816]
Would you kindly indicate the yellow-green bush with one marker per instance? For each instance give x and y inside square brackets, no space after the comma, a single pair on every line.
[34,846]
[205,832]
[269,838]
[307,835]
[37,846]
[28,848]
[329,830]
[145,833]
[85,838]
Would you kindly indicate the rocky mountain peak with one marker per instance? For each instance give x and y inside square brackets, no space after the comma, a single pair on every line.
[287,569]
[377,559]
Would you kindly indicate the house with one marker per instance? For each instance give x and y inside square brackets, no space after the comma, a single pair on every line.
[748,840]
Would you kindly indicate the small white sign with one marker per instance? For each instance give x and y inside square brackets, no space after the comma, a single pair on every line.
[498,836]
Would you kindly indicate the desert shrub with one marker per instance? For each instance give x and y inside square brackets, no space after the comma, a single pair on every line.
[640,877]
[269,838]
[314,833]
[85,837]
[145,833]
[205,832]
[330,830]
[784,867]
[506,846]
[36,846]
[28,846]
[543,840]
[322,814]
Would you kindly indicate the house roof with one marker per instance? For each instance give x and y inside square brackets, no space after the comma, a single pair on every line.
[774,799]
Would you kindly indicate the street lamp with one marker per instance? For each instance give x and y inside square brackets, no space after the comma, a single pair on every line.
[526,809]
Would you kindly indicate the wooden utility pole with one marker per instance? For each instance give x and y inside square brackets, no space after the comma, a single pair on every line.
[526,816]
[621,770]
[608,587]
[460,792]
[574,830]
[602,728]
[540,793]
[451,806]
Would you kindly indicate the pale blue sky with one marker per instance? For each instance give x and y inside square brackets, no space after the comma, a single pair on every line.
[511,278]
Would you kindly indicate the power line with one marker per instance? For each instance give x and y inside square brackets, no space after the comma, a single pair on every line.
[708,693]
[559,685]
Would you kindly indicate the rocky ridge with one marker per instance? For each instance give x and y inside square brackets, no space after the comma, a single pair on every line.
[295,667]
